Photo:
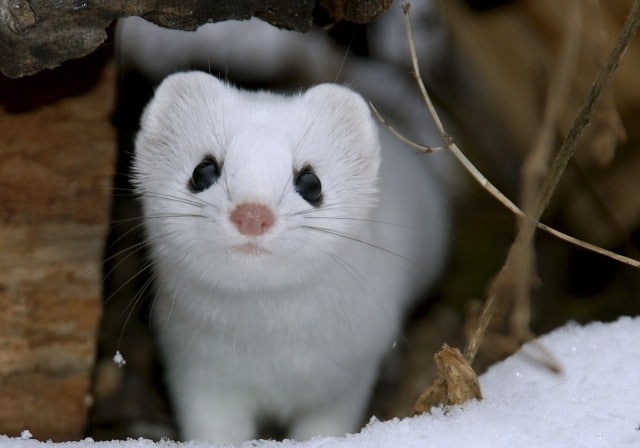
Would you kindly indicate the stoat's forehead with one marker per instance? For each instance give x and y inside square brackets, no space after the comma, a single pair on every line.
[257,161]
[252,134]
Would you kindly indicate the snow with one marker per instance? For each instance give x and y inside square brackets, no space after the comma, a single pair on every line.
[594,402]
[118,359]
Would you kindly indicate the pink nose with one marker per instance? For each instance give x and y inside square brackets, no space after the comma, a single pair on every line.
[252,219]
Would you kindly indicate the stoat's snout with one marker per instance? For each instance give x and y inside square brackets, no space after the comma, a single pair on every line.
[252,219]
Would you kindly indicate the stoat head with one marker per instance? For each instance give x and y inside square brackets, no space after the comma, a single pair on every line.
[253,188]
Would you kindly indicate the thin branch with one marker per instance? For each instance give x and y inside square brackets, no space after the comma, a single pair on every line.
[416,72]
[506,202]
[420,147]
[535,166]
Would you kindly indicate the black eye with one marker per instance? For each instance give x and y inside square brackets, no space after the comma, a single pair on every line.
[309,187]
[205,174]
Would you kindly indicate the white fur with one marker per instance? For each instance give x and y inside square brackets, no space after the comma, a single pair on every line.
[296,332]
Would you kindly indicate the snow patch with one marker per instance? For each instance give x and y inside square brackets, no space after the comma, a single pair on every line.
[594,402]
[118,359]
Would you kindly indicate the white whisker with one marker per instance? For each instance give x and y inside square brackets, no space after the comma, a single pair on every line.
[179,199]
[331,218]
[135,301]
[354,238]
[113,293]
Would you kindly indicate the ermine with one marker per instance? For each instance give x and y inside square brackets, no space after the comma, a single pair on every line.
[287,245]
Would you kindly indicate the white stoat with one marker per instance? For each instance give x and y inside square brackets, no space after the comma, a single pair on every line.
[286,247]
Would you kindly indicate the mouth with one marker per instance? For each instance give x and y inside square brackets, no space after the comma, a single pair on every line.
[250,249]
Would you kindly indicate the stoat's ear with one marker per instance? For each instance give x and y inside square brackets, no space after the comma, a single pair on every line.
[173,94]
[348,119]
[341,103]
[171,126]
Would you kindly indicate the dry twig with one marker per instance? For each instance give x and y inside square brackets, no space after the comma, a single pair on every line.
[536,164]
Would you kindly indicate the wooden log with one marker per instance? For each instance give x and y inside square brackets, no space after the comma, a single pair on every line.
[57,150]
